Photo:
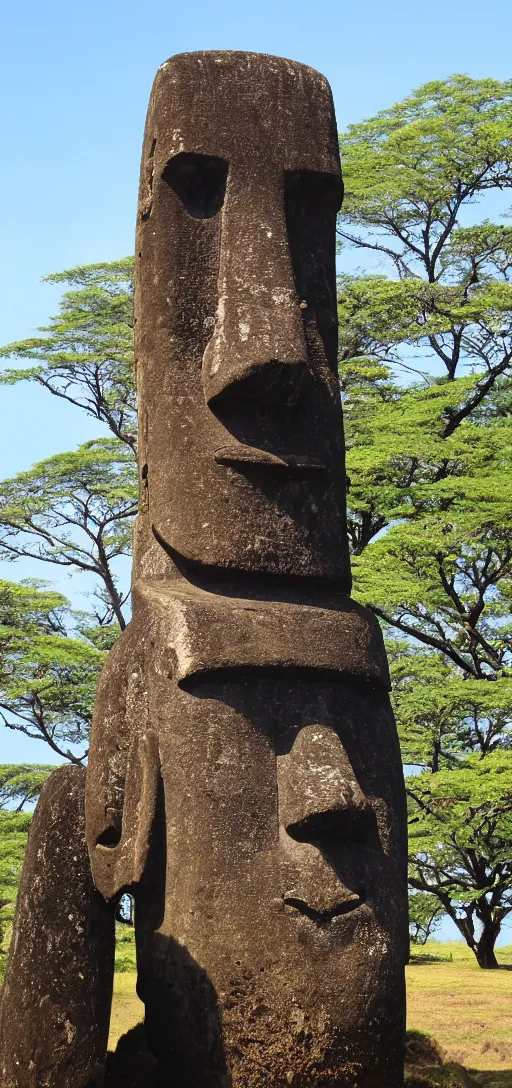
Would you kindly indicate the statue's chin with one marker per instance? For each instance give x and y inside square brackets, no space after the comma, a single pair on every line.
[315,1037]
[306,1009]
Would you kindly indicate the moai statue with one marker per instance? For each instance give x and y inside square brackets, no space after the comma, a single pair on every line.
[244,779]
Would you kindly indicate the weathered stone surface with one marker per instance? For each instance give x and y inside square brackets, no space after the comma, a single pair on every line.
[236,325]
[56,997]
[244,776]
[185,634]
[271,938]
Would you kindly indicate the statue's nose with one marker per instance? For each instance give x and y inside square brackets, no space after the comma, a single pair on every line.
[257,351]
[326,823]
[319,795]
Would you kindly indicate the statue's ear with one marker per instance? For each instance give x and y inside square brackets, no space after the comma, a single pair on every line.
[118,856]
[123,771]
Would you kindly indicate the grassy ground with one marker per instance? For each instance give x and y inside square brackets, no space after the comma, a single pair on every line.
[127,1010]
[468,1011]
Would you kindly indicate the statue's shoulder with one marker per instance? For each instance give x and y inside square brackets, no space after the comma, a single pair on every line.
[208,631]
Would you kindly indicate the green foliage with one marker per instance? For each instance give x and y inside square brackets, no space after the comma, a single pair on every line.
[75,510]
[460,831]
[21,783]
[409,170]
[429,464]
[13,840]
[425,914]
[125,948]
[441,714]
[47,677]
[86,353]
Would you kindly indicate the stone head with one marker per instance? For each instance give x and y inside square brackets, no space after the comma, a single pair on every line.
[236,329]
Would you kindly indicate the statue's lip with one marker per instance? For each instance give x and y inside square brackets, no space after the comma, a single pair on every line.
[238,454]
[323,917]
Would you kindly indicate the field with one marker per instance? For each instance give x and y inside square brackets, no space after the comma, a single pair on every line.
[468,1011]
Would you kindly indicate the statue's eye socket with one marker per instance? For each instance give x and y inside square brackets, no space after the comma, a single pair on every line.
[309,190]
[199,181]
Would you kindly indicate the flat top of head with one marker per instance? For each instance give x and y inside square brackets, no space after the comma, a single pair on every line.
[236,60]
[246,101]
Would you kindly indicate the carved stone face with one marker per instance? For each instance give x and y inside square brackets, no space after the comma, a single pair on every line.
[271,908]
[236,332]
[282,918]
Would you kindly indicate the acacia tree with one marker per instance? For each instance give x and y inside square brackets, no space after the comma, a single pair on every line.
[75,510]
[426,356]
[425,915]
[47,677]
[460,832]
[443,715]
[21,783]
[85,354]
[410,174]
[14,828]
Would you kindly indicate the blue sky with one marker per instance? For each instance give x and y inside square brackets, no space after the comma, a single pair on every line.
[75,81]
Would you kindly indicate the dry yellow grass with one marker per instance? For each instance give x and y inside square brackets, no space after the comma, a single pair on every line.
[127,1010]
[468,1011]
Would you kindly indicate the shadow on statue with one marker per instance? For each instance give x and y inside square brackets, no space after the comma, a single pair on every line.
[184,1027]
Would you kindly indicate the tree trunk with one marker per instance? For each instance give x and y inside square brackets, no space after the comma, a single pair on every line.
[436,752]
[484,948]
[110,586]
